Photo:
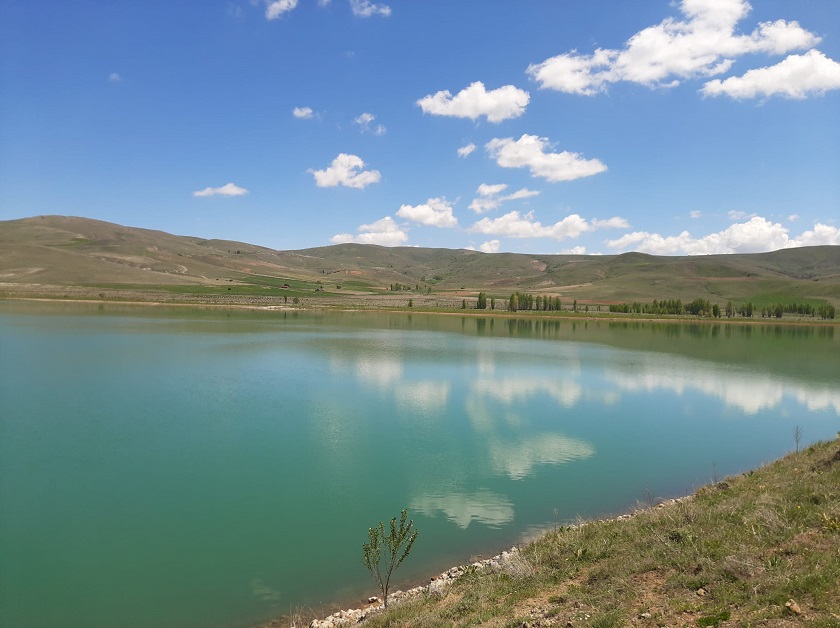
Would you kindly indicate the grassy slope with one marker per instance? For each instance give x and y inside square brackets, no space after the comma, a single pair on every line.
[66,251]
[733,554]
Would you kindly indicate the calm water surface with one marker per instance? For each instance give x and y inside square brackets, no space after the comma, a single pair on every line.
[165,468]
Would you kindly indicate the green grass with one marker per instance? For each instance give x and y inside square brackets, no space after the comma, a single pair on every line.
[733,554]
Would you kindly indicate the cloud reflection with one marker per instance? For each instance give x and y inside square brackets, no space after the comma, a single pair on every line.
[517,459]
[750,392]
[483,506]
[566,392]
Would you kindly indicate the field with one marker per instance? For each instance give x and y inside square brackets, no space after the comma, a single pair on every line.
[78,258]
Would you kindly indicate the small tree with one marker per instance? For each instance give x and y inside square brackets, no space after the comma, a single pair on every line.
[398,543]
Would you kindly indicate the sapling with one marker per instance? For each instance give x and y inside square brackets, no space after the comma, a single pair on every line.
[398,544]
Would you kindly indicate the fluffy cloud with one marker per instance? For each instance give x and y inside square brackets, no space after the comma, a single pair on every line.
[515,225]
[489,197]
[304,113]
[384,232]
[798,76]
[276,8]
[466,151]
[531,152]
[474,101]
[703,44]
[695,213]
[114,77]
[228,189]
[436,212]
[575,250]
[491,246]
[365,122]
[753,236]
[346,170]
[366,8]
[610,223]
[736,214]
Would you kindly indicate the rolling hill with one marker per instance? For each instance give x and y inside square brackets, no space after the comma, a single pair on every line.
[46,255]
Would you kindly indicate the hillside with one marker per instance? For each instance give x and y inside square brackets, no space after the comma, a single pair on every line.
[50,255]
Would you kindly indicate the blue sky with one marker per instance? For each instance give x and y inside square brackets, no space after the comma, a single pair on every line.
[539,126]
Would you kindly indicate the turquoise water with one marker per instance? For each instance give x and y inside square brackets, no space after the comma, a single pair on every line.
[185,468]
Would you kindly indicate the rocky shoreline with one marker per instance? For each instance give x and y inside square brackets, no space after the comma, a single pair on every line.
[509,561]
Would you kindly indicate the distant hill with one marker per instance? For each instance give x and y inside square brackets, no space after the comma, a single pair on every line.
[68,251]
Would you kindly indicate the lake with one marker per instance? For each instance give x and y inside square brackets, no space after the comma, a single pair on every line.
[191,468]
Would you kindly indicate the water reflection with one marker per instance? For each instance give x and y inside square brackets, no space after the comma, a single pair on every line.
[483,506]
[747,391]
[518,459]
[508,391]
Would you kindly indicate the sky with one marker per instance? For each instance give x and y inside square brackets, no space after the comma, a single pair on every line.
[685,127]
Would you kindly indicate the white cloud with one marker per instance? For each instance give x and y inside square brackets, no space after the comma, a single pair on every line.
[798,77]
[486,189]
[228,189]
[384,232]
[366,120]
[735,214]
[575,250]
[703,44]
[793,217]
[610,223]
[491,246]
[820,235]
[757,235]
[366,8]
[436,212]
[695,213]
[346,170]
[304,113]
[466,151]
[515,225]
[530,151]
[489,197]
[114,77]
[276,8]
[474,101]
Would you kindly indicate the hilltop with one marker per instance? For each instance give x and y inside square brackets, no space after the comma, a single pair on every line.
[60,256]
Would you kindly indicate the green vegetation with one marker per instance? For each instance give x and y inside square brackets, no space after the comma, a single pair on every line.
[762,548]
[399,542]
[78,258]
[519,301]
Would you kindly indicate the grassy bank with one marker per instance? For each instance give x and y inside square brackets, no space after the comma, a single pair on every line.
[759,549]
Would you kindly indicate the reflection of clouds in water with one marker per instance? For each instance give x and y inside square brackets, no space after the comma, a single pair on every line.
[479,414]
[462,509]
[383,371]
[566,392]
[818,399]
[517,459]
[486,363]
[425,396]
[749,392]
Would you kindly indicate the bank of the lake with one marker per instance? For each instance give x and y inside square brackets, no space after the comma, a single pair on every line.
[437,306]
[761,548]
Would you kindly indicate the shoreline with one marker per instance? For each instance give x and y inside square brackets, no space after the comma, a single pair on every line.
[507,560]
[753,547]
[471,313]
